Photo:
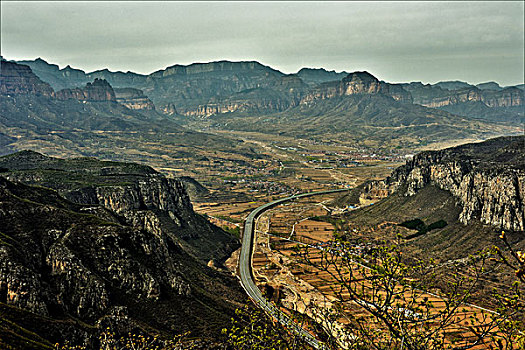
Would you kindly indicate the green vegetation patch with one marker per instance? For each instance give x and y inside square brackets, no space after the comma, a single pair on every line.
[415,224]
[236,231]
[421,227]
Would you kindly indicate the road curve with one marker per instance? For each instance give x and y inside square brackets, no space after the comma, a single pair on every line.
[246,272]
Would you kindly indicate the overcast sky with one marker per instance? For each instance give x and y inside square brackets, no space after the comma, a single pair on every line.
[395,41]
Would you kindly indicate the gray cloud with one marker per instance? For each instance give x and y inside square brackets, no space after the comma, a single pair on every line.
[396,41]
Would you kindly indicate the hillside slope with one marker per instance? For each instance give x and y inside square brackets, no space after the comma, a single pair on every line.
[124,250]
[477,189]
[373,120]
[95,120]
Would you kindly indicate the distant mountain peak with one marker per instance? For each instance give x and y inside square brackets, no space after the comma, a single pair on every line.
[19,79]
[98,90]
[489,85]
[453,85]
[363,75]
[216,66]
[306,69]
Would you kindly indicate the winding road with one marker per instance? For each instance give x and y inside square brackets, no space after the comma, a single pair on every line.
[246,272]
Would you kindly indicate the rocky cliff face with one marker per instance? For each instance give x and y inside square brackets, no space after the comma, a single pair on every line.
[355,84]
[220,66]
[452,98]
[136,195]
[169,109]
[282,93]
[488,180]
[97,91]
[436,97]
[19,79]
[133,99]
[508,97]
[127,252]
[271,105]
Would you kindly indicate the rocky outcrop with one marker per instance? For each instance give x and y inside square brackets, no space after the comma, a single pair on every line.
[436,97]
[273,105]
[357,83]
[142,204]
[169,109]
[455,97]
[208,110]
[219,66]
[97,91]
[118,253]
[316,76]
[19,79]
[135,195]
[504,98]
[284,92]
[362,83]
[488,180]
[133,99]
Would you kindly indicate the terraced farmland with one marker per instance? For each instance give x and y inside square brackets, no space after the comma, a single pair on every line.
[297,286]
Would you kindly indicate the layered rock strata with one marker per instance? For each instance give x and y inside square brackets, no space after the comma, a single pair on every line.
[19,79]
[435,97]
[488,180]
[133,99]
[97,91]
[124,250]
[357,83]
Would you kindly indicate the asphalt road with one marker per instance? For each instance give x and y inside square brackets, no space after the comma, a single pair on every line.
[246,270]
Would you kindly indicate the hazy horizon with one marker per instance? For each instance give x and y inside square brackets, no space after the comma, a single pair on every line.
[130,71]
[474,42]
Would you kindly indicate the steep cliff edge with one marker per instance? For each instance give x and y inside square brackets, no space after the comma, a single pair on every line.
[487,179]
[19,79]
[487,101]
[133,99]
[357,83]
[137,195]
[97,91]
[126,251]
[508,97]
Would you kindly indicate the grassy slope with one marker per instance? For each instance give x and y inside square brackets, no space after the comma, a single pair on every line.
[432,204]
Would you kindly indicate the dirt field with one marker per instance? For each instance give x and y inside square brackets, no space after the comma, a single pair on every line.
[281,230]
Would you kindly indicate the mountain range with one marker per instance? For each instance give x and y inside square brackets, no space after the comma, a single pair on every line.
[87,244]
[97,120]
[354,108]
[204,89]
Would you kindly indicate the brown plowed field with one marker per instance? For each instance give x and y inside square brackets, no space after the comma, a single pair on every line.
[275,263]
